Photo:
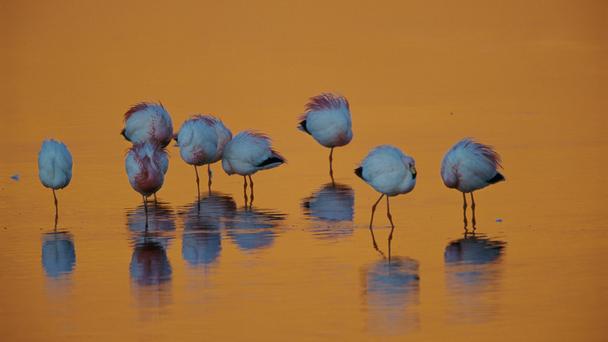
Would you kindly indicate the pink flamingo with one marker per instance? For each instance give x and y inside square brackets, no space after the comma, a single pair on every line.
[146,165]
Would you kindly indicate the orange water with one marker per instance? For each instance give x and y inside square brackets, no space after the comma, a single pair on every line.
[529,79]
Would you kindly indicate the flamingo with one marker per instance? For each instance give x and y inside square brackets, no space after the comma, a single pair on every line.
[201,140]
[390,172]
[469,166]
[148,122]
[327,119]
[247,153]
[54,167]
[146,165]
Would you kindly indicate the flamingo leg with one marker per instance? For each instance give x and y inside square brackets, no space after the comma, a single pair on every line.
[245,190]
[464,211]
[473,212]
[146,210]
[198,187]
[56,209]
[390,218]
[371,221]
[155,201]
[209,173]
[251,186]
[331,168]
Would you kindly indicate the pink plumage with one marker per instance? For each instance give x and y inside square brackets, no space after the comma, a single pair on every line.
[325,101]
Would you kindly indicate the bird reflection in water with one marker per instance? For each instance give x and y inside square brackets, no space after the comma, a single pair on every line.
[391,295]
[331,210]
[58,253]
[150,268]
[253,228]
[472,275]
[203,221]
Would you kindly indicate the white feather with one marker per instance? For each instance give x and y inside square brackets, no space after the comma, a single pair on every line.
[246,151]
[146,165]
[469,166]
[198,141]
[54,164]
[148,123]
[389,171]
[223,137]
[328,120]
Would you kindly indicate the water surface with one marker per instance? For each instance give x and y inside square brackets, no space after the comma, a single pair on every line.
[299,263]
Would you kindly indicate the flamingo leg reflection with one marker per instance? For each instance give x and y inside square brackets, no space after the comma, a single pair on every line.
[390,218]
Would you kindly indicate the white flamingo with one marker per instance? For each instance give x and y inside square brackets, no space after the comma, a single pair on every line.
[247,153]
[148,123]
[54,167]
[327,119]
[470,166]
[201,140]
[390,172]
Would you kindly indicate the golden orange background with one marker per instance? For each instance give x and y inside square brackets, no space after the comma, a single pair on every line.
[528,77]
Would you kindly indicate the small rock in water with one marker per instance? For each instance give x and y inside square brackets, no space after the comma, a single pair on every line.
[15,177]
[498,220]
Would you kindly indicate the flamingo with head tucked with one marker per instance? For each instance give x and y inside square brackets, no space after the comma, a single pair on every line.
[146,165]
[247,153]
[54,167]
[469,166]
[327,119]
[390,172]
[148,123]
[201,140]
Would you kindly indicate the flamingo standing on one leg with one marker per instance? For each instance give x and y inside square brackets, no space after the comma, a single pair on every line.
[201,140]
[145,164]
[327,119]
[247,153]
[390,172]
[470,166]
[54,168]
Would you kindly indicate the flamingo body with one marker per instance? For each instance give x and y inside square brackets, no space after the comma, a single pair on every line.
[148,123]
[54,164]
[201,140]
[327,120]
[470,166]
[146,167]
[249,152]
[388,170]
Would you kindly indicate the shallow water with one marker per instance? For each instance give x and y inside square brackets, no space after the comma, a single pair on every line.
[299,264]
